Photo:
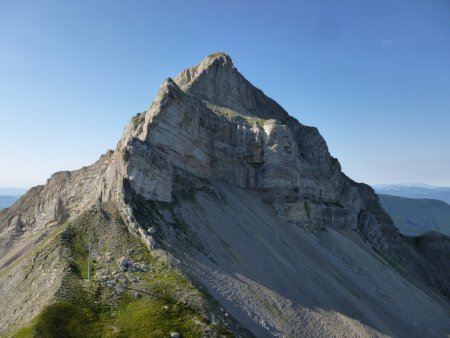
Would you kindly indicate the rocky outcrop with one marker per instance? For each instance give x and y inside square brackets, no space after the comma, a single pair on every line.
[209,124]
[212,123]
[65,196]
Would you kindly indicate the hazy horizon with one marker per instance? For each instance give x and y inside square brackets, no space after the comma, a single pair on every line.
[372,77]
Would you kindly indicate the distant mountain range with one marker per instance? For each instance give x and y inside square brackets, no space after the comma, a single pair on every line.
[7,201]
[414,217]
[416,190]
[8,196]
[12,191]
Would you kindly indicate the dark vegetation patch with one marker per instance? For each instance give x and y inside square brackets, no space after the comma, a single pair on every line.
[138,119]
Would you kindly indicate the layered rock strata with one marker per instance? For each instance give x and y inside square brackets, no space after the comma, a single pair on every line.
[210,124]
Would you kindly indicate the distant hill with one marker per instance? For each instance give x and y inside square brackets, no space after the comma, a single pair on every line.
[415,191]
[8,196]
[7,201]
[417,216]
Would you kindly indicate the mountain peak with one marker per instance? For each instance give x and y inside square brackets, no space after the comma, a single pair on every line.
[214,61]
[212,177]
[212,66]
[220,57]
[217,80]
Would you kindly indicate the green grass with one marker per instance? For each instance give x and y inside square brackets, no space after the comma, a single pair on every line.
[168,301]
[62,320]
[144,317]
[157,318]
[138,119]
[213,55]
[79,249]
[80,316]
[156,314]
[234,115]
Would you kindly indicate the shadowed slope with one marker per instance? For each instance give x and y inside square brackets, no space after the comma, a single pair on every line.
[283,280]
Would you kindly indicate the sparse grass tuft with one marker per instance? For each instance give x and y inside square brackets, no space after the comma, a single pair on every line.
[138,119]
[231,114]
[213,55]
[79,249]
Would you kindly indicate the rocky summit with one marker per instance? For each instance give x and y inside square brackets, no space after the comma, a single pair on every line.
[218,214]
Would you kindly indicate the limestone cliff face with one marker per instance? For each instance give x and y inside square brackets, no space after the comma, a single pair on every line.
[65,196]
[210,124]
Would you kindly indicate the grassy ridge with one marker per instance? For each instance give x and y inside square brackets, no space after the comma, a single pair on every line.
[153,304]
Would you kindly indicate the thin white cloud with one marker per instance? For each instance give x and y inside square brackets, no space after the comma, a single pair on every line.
[386,42]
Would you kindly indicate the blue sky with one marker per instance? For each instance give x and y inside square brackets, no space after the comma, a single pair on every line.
[373,76]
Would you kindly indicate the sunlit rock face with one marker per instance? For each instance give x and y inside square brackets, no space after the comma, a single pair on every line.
[209,122]
[212,123]
[270,225]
